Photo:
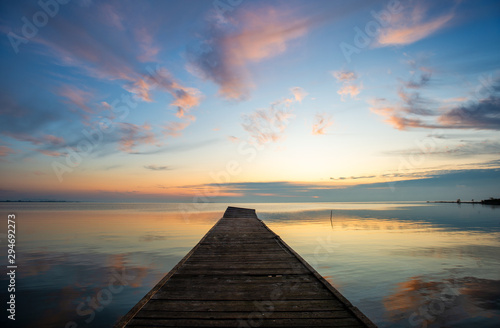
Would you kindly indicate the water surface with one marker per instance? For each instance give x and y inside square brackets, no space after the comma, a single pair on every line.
[402,264]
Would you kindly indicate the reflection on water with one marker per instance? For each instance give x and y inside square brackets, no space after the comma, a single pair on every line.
[404,265]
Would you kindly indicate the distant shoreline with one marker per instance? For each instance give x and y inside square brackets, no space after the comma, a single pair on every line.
[491,201]
[39,201]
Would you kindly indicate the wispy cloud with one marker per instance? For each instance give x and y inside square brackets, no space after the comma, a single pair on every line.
[147,45]
[321,123]
[157,168]
[185,98]
[76,46]
[269,124]
[349,90]
[344,76]
[132,135]
[173,129]
[349,85]
[111,15]
[31,123]
[76,97]
[461,148]
[299,93]
[233,139]
[355,177]
[48,152]
[5,151]
[231,44]
[416,112]
[412,25]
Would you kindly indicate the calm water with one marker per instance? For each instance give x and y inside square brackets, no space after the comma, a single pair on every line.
[402,264]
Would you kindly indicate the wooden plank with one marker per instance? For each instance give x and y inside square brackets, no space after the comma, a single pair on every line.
[264,322]
[242,306]
[161,314]
[241,274]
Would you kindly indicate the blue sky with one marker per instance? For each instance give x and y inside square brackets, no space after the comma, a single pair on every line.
[186,100]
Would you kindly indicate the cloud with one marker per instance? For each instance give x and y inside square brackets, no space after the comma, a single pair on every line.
[111,16]
[248,37]
[132,135]
[344,76]
[349,90]
[462,148]
[76,97]
[348,79]
[173,129]
[49,152]
[5,151]
[321,123]
[91,53]
[269,124]
[157,168]
[146,42]
[411,25]
[185,98]
[416,111]
[483,114]
[355,177]
[299,93]
[29,122]
[233,139]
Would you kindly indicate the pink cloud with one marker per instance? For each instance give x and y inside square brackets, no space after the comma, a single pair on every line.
[5,151]
[411,26]
[233,139]
[349,87]
[75,46]
[110,15]
[321,124]
[173,129]
[49,152]
[53,140]
[133,135]
[349,90]
[250,37]
[44,139]
[299,93]
[184,98]
[344,76]
[146,42]
[269,124]
[76,96]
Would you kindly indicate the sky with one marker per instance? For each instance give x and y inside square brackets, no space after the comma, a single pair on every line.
[249,101]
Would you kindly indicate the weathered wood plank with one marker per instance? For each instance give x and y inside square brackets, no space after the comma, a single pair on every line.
[283,322]
[241,274]
[267,306]
[160,314]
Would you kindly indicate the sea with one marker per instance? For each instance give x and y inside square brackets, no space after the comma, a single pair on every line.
[403,264]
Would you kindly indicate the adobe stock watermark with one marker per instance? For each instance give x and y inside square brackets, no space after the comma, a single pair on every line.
[415,158]
[364,37]
[278,120]
[102,298]
[31,26]
[93,138]
[265,308]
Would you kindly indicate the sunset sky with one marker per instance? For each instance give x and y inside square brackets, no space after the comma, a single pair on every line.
[249,101]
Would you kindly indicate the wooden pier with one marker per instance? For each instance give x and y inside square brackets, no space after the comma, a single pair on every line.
[241,274]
